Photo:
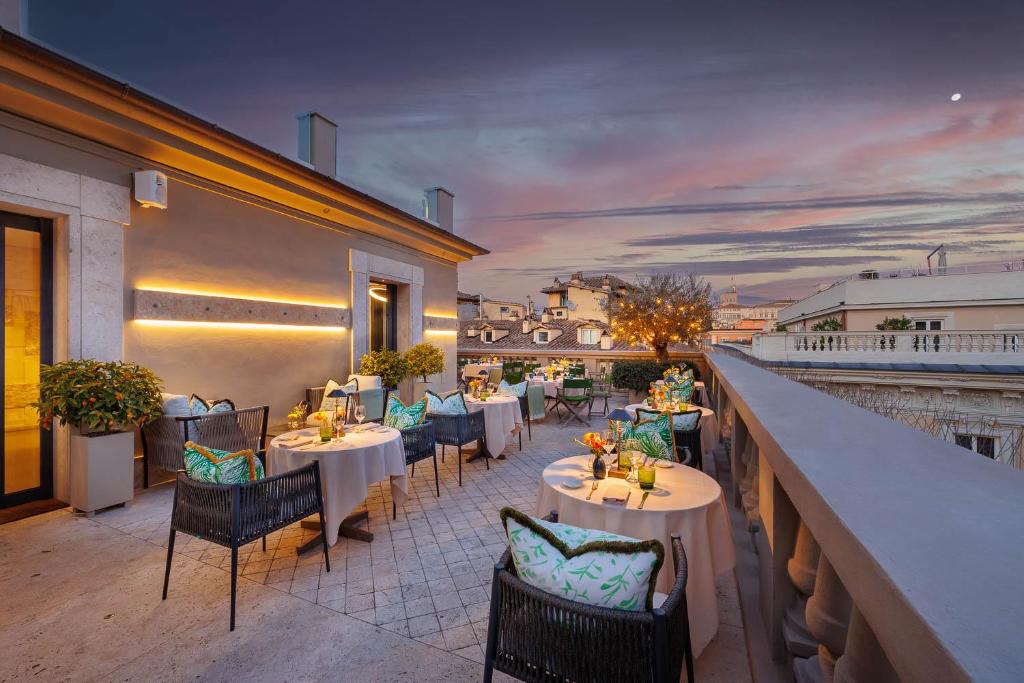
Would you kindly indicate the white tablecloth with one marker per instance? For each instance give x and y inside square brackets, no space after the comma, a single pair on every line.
[685,502]
[502,418]
[346,469]
[708,425]
[472,370]
[551,386]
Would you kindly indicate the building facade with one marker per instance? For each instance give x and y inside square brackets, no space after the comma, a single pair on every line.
[259,277]
[477,305]
[730,314]
[582,298]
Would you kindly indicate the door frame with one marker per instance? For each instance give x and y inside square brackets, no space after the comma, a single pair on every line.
[44,226]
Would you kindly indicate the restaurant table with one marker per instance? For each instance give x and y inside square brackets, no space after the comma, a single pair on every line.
[347,468]
[708,425]
[472,370]
[685,501]
[551,386]
[502,418]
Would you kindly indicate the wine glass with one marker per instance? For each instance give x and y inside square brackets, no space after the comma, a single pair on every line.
[608,437]
[360,414]
[637,459]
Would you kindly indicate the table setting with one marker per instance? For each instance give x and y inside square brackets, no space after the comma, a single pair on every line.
[502,418]
[351,459]
[644,497]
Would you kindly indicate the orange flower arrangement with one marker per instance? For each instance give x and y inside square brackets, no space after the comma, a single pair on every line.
[593,441]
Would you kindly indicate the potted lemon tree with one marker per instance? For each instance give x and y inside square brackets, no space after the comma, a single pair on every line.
[99,401]
[423,360]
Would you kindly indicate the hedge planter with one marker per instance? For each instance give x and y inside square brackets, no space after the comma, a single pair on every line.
[102,469]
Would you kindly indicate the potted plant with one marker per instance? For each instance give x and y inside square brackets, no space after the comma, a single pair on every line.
[99,400]
[423,360]
[389,365]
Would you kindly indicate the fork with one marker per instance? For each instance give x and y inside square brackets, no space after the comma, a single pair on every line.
[643,499]
[592,489]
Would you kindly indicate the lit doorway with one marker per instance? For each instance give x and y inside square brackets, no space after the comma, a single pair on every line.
[26,245]
[383,316]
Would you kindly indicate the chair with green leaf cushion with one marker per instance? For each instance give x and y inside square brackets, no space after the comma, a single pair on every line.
[374,401]
[575,394]
[452,403]
[494,376]
[686,432]
[400,416]
[654,438]
[534,634]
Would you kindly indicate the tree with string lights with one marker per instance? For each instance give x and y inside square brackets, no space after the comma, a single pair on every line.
[660,310]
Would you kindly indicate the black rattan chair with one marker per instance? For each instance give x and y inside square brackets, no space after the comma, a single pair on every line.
[232,515]
[524,409]
[535,636]
[163,439]
[419,445]
[459,430]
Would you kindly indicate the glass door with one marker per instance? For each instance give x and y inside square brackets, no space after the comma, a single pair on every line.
[27,453]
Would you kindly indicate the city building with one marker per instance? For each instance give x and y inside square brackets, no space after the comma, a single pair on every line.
[477,306]
[135,231]
[731,314]
[582,298]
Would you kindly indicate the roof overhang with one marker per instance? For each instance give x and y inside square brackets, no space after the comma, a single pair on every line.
[52,90]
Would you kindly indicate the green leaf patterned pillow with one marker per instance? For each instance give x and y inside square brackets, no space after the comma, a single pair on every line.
[453,403]
[400,416]
[215,466]
[654,438]
[584,565]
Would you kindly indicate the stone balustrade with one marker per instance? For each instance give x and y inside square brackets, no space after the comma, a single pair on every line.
[964,347]
[885,554]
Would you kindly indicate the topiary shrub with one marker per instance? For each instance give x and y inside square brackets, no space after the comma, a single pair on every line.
[637,375]
[388,364]
[901,323]
[827,325]
[424,359]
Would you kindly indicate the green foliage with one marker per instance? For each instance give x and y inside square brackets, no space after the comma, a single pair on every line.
[388,364]
[779,327]
[827,325]
[637,375]
[900,323]
[424,359]
[97,396]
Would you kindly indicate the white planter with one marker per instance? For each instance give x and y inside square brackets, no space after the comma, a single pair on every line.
[102,471]
[420,388]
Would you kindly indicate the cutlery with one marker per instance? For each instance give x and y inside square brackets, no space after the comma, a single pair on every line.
[626,504]
[643,500]
[592,489]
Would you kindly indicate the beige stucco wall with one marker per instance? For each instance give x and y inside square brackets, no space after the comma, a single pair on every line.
[588,304]
[953,317]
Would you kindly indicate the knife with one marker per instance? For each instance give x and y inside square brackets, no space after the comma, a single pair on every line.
[643,500]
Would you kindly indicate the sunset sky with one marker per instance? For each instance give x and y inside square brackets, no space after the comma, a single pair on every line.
[776,145]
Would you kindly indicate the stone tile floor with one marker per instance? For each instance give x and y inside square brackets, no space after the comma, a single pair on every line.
[425,577]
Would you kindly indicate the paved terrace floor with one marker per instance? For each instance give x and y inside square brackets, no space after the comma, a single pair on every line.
[81,597]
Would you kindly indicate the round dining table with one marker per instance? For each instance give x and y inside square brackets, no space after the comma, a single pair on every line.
[708,425]
[502,418]
[365,455]
[684,501]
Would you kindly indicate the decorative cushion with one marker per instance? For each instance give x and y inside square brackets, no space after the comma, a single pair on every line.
[221,467]
[517,390]
[366,381]
[654,438]
[584,565]
[328,404]
[200,406]
[400,416]
[684,421]
[176,405]
[452,403]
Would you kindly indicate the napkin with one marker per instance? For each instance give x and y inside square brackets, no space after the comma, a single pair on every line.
[289,444]
[616,492]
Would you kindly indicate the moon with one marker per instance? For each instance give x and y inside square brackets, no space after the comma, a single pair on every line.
[955,97]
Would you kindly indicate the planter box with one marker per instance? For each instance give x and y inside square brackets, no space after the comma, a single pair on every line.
[102,470]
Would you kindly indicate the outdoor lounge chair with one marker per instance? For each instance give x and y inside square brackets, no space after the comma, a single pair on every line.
[163,439]
[233,515]
[459,430]
[419,445]
[536,636]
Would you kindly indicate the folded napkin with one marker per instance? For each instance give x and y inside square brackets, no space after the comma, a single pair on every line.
[292,444]
[616,492]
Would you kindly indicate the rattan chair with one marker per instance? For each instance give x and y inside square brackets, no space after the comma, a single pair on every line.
[687,440]
[163,439]
[233,515]
[419,445]
[539,637]
[524,410]
[459,430]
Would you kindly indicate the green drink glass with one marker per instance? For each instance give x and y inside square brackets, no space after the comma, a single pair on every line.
[326,430]
[645,477]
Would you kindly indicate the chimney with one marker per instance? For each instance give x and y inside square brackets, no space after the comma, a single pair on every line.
[14,16]
[439,207]
[527,326]
[318,142]
[577,277]
[606,341]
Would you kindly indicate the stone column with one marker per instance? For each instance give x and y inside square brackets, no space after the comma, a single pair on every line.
[802,569]
[828,617]
[863,659]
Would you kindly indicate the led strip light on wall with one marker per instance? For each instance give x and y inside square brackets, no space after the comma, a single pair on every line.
[184,309]
[440,324]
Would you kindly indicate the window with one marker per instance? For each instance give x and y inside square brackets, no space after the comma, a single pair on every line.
[383,316]
[983,445]
[927,324]
[589,335]
[504,311]
[563,299]
[487,336]
[559,313]
[541,337]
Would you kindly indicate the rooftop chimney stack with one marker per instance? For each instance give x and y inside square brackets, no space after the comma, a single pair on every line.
[318,142]
[439,207]
[14,16]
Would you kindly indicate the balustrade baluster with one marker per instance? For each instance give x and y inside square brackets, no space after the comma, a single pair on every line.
[828,618]
[801,568]
[863,659]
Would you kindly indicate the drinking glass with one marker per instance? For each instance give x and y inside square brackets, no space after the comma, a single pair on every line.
[608,436]
[360,414]
[645,476]
[326,430]
[637,459]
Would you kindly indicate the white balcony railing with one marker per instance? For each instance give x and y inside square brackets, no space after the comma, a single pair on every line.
[965,347]
[884,554]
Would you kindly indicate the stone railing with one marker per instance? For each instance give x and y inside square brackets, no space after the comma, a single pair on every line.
[885,554]
[965,347]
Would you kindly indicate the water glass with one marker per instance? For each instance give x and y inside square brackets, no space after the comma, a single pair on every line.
[645,476]
[360,413]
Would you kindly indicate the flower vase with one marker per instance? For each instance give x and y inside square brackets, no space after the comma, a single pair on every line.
[600,469]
